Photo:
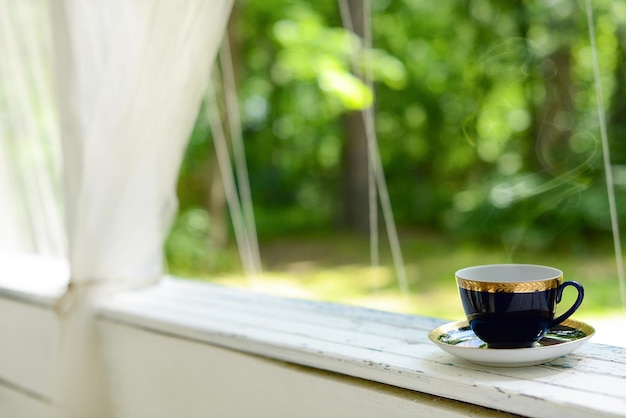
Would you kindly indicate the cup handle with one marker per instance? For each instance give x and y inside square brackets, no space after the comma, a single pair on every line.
[570,311]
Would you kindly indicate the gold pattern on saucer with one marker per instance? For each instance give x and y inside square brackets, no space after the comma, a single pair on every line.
[512,287]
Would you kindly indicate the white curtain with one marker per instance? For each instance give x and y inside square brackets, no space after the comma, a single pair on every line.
[130,79]
[130,76]
[30,163]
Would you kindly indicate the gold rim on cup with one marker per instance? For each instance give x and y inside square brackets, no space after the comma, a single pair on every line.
[511,287]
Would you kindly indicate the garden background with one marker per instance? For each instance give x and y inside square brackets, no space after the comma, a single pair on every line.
[486,118]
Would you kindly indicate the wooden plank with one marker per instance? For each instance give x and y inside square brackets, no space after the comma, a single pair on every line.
[200,380]
[383,347]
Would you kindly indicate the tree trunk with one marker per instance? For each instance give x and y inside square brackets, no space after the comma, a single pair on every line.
[617,109]
[556,122]
[355,183]
[355,195]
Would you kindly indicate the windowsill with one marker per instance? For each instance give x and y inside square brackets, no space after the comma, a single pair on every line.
[377,346]
[383,347]
[36,279]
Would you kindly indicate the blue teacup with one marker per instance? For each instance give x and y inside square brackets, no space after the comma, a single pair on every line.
[513,305]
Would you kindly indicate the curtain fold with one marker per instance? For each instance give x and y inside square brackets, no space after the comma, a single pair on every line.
[130,79]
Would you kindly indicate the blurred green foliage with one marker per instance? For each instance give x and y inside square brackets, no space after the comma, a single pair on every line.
[476,138]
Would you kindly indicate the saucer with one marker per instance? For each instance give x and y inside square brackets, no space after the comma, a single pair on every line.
[458,339]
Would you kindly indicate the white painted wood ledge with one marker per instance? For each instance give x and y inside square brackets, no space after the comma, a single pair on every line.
[377,346]
[235,353]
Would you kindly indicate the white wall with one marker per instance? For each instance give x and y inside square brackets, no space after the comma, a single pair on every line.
[28,337]
[161,376]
